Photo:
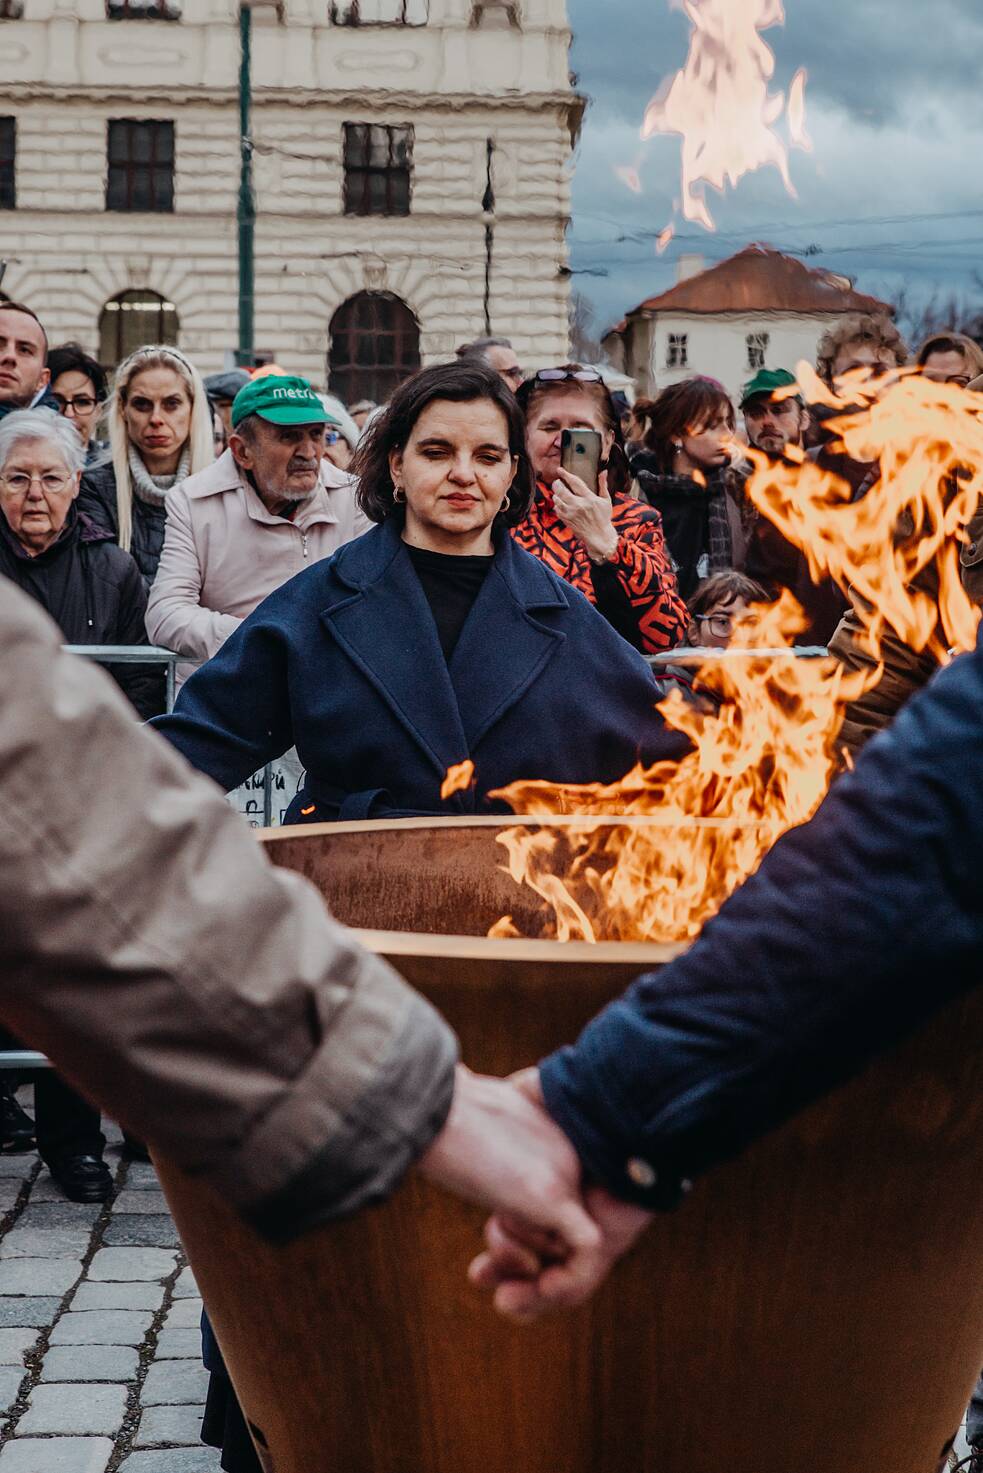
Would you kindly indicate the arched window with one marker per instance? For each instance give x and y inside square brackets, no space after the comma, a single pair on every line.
[132,319]
[374,344]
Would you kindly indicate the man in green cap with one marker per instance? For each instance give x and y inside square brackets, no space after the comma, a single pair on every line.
[774,413]
[269,507]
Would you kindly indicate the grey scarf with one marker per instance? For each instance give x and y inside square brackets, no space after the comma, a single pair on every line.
[152,489]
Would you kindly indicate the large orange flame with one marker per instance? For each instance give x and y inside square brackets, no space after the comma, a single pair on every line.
[764,738]
[720,102]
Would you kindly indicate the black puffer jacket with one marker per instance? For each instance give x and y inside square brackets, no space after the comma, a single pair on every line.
[97,499]
[95,595]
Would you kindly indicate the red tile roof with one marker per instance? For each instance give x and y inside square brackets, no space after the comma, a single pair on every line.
[761,279]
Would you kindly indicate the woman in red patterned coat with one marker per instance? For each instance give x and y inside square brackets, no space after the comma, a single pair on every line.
[607,544]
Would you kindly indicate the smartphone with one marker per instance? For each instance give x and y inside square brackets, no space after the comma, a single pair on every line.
[580,454]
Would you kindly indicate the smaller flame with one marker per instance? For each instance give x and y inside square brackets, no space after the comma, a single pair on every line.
[664,237]
[458,779]
[796,111]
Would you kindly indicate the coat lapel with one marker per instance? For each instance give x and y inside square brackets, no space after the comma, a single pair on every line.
[503,648]
[387,629]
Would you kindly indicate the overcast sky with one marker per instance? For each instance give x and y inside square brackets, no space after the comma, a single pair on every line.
[894,106]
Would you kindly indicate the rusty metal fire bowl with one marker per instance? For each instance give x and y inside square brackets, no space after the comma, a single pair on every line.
[815,1307]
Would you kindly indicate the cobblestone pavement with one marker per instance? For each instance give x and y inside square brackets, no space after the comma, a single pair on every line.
[100,1367]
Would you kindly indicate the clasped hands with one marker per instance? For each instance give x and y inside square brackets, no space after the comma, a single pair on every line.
[551,1240]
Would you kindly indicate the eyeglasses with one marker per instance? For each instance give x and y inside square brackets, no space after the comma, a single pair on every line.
[19,482]
[723,625]
[572,375]
[81,403]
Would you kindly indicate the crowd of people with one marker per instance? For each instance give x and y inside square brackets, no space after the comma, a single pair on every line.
[472,599]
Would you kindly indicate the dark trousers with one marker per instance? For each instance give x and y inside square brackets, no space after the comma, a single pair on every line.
[974,1418]
[65,1124]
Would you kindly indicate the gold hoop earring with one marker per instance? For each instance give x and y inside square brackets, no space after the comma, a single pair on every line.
[399,495]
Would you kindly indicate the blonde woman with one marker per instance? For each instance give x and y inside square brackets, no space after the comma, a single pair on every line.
[160,431]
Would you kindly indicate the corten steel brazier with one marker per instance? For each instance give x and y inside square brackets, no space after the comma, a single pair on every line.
[815,1307]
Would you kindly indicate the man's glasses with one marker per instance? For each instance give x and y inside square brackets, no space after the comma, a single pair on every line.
[81,403]
[18,483]
[569,375]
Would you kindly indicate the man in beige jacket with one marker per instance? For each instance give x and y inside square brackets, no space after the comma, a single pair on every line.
[270,506]
[208,1000]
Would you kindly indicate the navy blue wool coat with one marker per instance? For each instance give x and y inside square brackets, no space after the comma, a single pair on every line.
[344,663]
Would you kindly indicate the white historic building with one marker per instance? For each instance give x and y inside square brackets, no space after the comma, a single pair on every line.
[411,163]
[758,309]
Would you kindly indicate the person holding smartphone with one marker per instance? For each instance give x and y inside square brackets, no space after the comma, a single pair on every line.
[583,521]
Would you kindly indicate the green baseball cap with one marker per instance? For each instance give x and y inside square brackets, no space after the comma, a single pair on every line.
[281,398]
[764,384]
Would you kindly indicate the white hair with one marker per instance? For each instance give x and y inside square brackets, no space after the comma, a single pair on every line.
[46,426]
[200,442]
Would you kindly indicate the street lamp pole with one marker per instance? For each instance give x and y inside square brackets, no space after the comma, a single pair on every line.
[246,212]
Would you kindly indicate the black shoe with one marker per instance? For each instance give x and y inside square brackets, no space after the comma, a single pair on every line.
[82,1178]
[16,1126]
[134,1150]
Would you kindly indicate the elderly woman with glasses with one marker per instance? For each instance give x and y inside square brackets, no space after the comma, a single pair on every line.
[95,594]
[601,540]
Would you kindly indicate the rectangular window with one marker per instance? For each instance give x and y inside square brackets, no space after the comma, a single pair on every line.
[380,12]
[141,165]
[757,349]
[8,163]
[677,350]
[143,9]
[11,9]
[378,163]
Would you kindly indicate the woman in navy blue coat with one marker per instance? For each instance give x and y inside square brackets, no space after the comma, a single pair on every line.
[432,640]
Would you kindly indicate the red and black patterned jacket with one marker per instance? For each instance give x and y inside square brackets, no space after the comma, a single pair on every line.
[637,592]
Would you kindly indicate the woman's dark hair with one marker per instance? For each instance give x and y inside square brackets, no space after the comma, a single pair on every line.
[72,358]
[682,409]
[532,393]
[726,587]
[461,383]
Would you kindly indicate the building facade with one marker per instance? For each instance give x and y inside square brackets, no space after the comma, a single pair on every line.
[758,309]
[411,169]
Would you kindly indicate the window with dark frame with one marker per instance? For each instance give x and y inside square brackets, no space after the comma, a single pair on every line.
[11,9]
[140,174]
[677,350]
[380,12]
[757,349]
[143,10]
[378,162]
[374,344]
[8,163]
[132,318]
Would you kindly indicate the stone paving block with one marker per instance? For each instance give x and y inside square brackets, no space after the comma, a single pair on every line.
[46,1189]
[175,1383]
[170,1427]
[10,1189]
[57,1455]
[85,1408]
[129,1265]
[14,1344]
[112,1132]
[134,1229]
[34,1310]
[44,1216]
[90,1363]
[179,1344]
[186,1286]
[141,1175]
[183,1315]
[38,1275]
[142,1200]
[118,1296]
[20,1166]
[171,1460]
[29,1242]
[101,1327]
[10,1379]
